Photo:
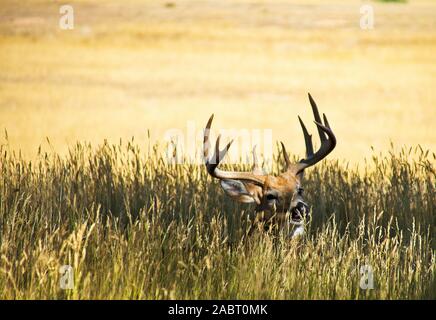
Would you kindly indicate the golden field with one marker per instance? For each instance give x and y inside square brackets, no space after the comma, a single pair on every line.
[138,65]
[132,226]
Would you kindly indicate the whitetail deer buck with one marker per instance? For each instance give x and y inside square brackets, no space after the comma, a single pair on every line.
[279,199]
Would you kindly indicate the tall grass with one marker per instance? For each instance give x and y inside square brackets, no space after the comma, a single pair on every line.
[134,227]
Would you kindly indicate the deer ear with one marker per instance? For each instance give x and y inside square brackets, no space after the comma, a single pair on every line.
[237,190]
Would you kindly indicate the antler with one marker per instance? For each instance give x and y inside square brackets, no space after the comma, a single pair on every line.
[212,163]
[328,140]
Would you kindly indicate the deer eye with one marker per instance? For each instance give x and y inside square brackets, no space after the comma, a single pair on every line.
[271,196]
[300,191]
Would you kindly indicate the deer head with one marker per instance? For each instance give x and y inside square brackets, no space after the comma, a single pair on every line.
[277,198]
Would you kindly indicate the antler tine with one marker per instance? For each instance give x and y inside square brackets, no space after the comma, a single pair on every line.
[219,155]
[211,166]
[326,121]
[317,117]
[206,143]
[326,135]
[307,139]
[286,156]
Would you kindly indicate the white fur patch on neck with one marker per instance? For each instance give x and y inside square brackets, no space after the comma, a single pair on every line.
[299,231]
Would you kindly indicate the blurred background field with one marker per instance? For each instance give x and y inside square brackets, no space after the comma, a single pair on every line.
[135,65]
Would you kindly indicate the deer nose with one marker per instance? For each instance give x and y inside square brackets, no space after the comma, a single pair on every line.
[300,211]
[303,207]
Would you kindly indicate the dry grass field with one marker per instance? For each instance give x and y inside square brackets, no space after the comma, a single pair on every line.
[135,227]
